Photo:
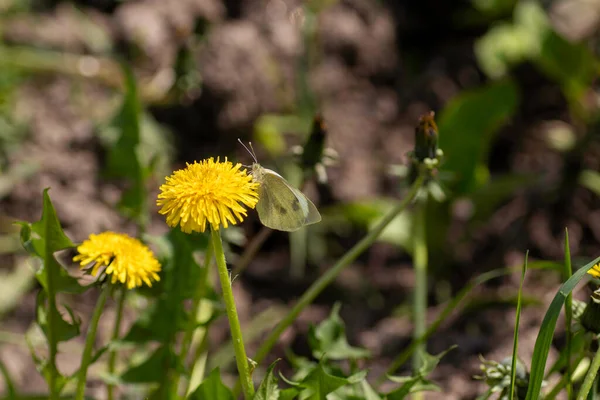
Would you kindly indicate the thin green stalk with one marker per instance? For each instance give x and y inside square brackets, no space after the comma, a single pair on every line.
[590,377]
[317,287]
[198,296]
[420,294]
[234,323]
[515,352]
[89,343]
[568,271]
[112,357]
[51,335]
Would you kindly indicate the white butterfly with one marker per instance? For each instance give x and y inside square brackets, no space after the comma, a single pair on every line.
[280,205]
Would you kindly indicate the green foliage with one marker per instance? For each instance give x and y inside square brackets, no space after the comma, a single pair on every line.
[212,388]
[419,381]
[544,338]
[467,126]
[42,239]
[328,340]
[530,38]
[268,389]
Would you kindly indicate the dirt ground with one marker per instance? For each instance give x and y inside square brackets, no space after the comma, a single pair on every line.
[371,97]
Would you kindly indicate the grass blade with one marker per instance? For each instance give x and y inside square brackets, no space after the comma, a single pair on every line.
[568,271]
[544,339]
[513,371]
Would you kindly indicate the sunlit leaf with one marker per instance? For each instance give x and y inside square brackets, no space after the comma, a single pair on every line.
[268,389]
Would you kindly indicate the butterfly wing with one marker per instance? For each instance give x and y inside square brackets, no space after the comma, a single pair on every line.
[283,207]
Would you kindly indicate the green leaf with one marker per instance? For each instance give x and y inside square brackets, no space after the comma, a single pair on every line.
[44,238]
[546,333]
[328,340]
[212,388]
[318,383]
[467,126]
[289,394]
[63,330]
[268,389]
[369,392]
[418,382]
[152,369]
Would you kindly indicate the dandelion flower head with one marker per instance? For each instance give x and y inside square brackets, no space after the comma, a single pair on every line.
[127,260]
[595,271]
[208,191]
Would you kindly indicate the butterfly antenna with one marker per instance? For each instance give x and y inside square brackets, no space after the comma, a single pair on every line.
[248,150]
[253,152]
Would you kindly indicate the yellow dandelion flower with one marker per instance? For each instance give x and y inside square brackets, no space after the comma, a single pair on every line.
[210,192]
[126,259]
[595,271]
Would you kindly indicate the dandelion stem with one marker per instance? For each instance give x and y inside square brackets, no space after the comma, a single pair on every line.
[112,358]
[51,335]
[89,343]
[318,286]
[420,295]
[234,323]
[198,296]
[590,377]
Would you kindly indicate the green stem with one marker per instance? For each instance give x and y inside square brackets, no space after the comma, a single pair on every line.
[112,357]
[89,343]
[234,323]
[53,317]
[317,287]
[420,294]
[567,272]
[198,296]
[590,377]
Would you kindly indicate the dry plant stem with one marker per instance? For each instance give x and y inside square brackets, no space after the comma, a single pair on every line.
[234,322]
[590,377]
[112,358]
[198,296]
[317,287]
[89,343]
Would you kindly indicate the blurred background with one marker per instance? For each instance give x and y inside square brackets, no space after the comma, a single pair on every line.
[514,87]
